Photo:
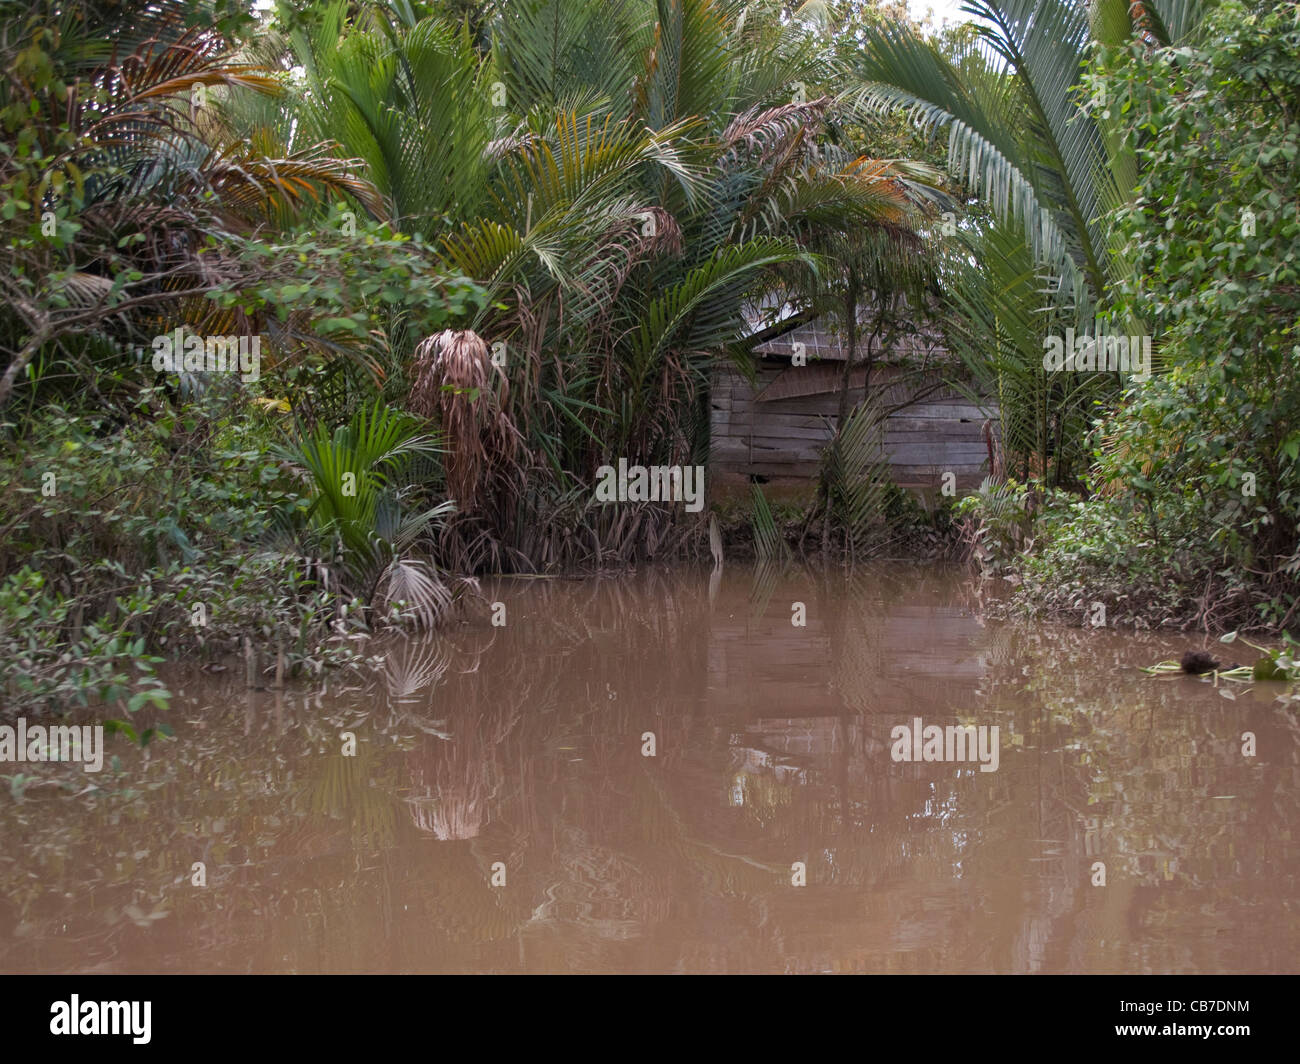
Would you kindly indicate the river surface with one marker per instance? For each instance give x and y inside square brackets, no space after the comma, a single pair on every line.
[653,774]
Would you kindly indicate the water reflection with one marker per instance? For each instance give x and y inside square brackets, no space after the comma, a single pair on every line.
[514,756]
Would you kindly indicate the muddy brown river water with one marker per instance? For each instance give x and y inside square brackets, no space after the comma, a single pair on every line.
[503,813]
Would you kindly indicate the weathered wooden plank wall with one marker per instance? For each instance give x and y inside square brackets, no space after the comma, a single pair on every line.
[784,437]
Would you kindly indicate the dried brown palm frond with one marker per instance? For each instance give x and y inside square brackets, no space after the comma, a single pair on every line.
[643,234]
[167,72]
[456,381]
[511,144]
[250,184]
[770,131]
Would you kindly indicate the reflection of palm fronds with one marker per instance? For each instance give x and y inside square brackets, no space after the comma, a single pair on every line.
[455,779]
[334,787]
[411,667]
[1002,644]
[342,790]
[455,787]
[454,816]
[867,584]
[766,576]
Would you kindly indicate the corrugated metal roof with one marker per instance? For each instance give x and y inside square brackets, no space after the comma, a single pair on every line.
[823,340]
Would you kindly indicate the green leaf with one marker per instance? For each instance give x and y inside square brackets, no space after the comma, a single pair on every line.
[112,727]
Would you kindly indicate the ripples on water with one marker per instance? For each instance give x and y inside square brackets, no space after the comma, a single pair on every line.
[520,748]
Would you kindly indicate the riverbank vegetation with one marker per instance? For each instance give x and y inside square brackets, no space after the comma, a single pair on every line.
[425,267]
[1185,512]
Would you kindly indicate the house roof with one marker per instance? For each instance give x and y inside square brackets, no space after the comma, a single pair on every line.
[780,328]
[823,340]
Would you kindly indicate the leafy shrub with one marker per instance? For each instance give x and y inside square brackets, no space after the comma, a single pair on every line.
[171,533]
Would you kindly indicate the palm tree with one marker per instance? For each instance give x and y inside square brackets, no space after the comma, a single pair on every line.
[622,177]
[1046,163]
[359,476]
[146,187]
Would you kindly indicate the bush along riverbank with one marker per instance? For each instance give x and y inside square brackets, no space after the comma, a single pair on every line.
[184,534]
[1113,561]
[1189,515]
